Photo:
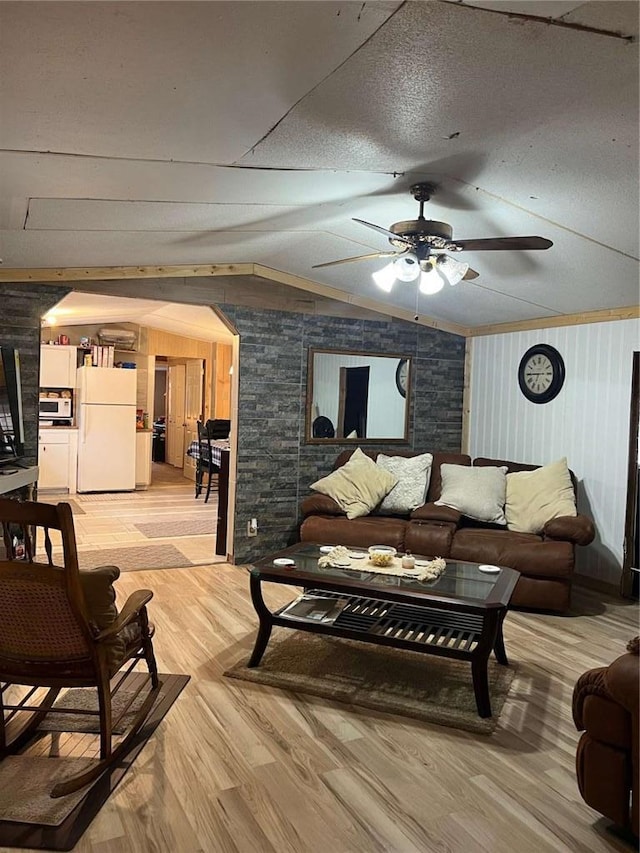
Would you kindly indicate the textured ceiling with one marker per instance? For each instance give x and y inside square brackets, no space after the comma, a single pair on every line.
[252,132]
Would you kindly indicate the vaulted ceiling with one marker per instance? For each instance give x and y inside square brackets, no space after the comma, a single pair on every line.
[196,133]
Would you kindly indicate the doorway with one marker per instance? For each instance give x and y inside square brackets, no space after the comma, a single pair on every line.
[166,334]
[353,402]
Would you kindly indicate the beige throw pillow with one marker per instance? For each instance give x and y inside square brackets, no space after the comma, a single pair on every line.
[358,486]
[475,492]
[535,497]
[413,473]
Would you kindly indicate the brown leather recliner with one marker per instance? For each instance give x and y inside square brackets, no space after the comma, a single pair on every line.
[605,705]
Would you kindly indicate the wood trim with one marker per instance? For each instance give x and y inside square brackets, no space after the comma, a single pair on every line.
[603,316]
[52,274]
[630,531]
[224,320]
[466,397]
[352,299]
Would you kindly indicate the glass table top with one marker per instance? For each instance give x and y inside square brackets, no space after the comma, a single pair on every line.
[459,579]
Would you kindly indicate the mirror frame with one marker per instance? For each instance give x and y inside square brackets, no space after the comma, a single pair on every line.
[308,432]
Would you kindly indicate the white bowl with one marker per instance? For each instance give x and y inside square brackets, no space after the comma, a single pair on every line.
[381,555]
[382,549]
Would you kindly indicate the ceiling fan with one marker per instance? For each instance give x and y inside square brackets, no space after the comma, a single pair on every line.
[420,246]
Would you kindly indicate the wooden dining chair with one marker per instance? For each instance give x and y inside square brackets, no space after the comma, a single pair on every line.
[204,463]
[60,628]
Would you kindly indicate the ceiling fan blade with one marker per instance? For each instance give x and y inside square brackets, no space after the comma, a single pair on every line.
[384,231]
[496,244]
[357,258]
[470,275]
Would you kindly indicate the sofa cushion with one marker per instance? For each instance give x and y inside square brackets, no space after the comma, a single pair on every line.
[413,473]
[358,486]
[526,553]
[535,497]
[356,533]
[478,493]
[320,505]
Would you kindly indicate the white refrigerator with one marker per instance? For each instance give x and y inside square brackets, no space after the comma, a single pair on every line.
[106,416]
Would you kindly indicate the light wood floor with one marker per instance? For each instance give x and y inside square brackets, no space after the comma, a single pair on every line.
[104,521]
[238,767]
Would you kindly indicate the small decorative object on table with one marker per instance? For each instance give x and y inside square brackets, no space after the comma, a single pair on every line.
[408,561]
[381,555]
[429,570]
[338,556]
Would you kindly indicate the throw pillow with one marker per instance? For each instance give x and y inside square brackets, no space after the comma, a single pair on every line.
[358,486]
[535,497]
[475,492]
[413,473]
[99,594]
[100,598]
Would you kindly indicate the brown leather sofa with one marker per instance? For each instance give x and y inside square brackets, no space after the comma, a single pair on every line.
[605,706]
[545,561]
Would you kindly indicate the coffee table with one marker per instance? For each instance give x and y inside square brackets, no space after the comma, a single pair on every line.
[459,615]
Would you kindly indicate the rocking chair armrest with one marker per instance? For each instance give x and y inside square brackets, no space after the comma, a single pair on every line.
[129,613]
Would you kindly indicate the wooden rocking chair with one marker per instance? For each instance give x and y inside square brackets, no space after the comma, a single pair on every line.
[59,628]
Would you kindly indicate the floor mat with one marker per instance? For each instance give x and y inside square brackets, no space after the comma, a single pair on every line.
[136,558]
[30,818]
[175,527]
[425,687]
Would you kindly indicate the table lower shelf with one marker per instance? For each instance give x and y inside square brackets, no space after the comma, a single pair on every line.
[422,626]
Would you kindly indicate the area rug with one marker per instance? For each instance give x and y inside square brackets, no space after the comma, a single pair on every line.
[425,687]
[29,818]
[204,526]
[86,699]
[136,558]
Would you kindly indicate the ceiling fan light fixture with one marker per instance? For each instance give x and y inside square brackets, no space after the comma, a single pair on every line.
[407,267]
[385,278]
[451,270]
[430,282]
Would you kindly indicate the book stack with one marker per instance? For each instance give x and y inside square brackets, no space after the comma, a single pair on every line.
[102,356]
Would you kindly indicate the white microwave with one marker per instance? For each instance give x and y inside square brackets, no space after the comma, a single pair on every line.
[54,408]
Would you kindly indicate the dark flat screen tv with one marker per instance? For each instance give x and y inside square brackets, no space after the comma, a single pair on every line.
[11,422]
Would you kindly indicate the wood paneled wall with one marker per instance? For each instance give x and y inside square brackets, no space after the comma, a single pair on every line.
[222,383]
[588,422]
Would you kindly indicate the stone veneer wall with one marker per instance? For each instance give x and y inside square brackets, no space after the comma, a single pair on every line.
[275,466]
[22,307]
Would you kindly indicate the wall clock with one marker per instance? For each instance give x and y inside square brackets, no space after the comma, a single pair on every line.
[541,373]
[402,376]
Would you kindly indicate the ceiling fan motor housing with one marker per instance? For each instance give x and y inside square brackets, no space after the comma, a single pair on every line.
[423,233]
[423,228]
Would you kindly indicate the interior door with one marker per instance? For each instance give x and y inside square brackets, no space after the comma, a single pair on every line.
[176,414]
[194,378]
[352,405]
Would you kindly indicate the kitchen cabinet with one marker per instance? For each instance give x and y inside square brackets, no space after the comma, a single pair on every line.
[143,458]
[58,366]
[58,459]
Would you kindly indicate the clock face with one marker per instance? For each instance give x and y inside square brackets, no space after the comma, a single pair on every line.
[402,376]
[541,373]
